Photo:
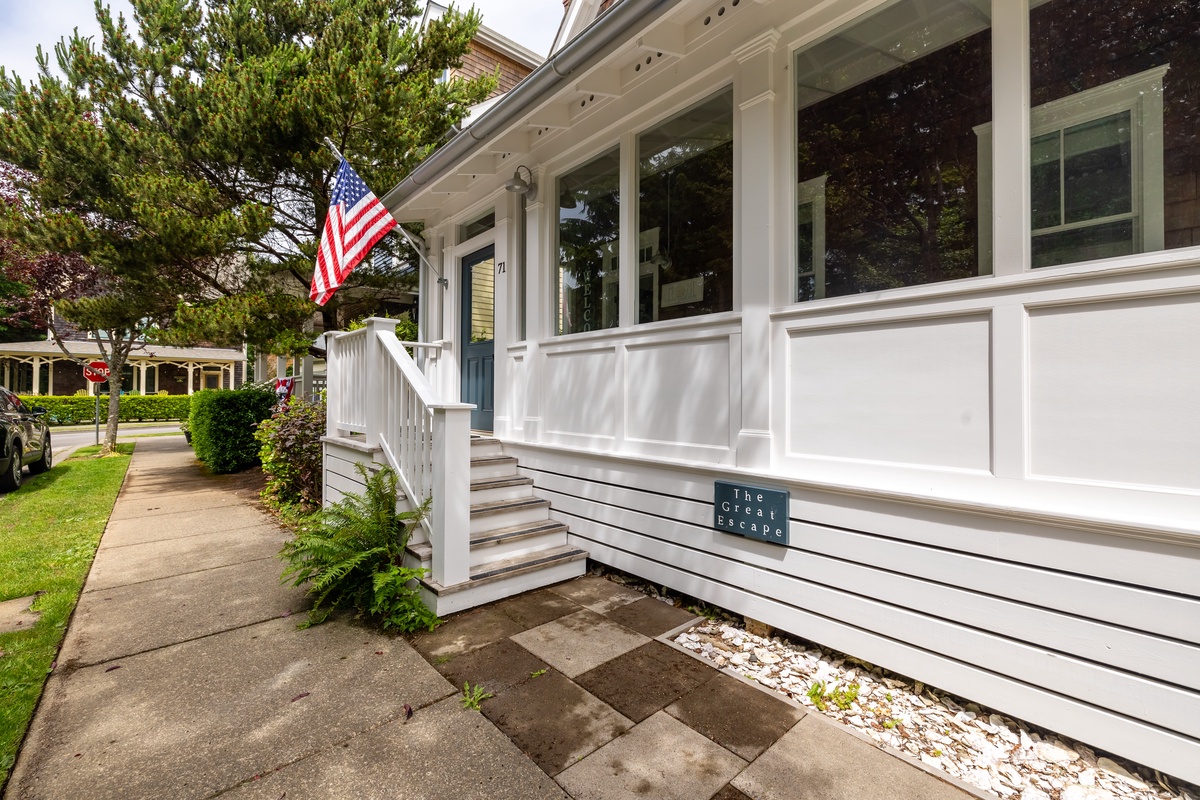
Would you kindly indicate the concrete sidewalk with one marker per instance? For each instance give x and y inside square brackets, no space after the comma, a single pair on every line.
[183,675]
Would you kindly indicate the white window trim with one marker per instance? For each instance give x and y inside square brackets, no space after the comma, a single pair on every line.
[1142,96]
[812,192]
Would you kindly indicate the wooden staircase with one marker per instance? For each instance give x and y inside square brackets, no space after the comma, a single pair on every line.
[515,546]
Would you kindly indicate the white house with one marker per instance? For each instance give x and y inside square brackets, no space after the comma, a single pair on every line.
[922,277]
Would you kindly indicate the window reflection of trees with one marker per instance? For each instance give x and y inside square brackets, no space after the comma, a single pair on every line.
[685,208]
[588,227]
[900,155]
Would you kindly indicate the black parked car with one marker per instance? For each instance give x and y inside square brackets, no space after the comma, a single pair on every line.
[26,440]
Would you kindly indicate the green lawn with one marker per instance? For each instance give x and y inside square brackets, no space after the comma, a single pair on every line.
[49,531]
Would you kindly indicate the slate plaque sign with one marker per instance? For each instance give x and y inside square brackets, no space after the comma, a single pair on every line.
[751,511]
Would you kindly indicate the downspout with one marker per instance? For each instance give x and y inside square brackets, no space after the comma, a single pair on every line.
[596,41]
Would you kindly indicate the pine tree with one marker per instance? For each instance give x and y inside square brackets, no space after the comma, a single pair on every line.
[184,150]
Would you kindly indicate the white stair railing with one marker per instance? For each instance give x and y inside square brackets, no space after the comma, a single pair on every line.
[376,388]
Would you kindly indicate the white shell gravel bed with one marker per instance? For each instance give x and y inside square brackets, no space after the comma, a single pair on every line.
[994,753]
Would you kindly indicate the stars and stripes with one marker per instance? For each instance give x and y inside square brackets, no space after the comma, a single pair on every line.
[356,221]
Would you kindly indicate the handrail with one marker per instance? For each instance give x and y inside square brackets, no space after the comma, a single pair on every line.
[426,440]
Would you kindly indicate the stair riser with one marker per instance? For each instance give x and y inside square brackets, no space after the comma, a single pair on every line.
[486,449]
[490,592]
[513,547]
[505,519]
[412,562]
[501,493]
[481,472]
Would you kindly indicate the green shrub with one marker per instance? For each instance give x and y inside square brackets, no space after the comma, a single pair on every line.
[222,424]
[80,409]
[351,554]
[290,451]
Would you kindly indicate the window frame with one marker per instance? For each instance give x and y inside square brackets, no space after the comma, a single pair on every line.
[1141,94]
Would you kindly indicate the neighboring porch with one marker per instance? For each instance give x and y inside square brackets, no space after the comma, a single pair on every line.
[487,536]
[41,368]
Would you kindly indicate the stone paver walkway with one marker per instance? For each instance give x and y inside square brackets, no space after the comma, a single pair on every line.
[183,675]
[587,684]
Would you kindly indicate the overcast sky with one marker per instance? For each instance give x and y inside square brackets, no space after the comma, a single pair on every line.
[24,24]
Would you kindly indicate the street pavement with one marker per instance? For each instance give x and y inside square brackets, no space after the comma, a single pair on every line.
[184,675]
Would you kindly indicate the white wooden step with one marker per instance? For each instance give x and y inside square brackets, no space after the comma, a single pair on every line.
[489,490]
[500,579]
[505,513]
[484,467]
[505,543]
[485,446]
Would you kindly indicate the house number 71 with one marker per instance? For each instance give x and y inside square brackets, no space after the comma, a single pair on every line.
[500,268]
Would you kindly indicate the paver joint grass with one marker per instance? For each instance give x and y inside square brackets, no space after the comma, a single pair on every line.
[49,531]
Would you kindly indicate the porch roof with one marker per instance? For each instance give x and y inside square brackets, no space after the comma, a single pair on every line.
[601,39]
[48,348]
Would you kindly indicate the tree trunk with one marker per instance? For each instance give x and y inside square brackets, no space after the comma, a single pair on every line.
[117,356]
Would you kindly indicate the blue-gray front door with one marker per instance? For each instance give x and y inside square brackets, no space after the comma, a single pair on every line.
[478,333]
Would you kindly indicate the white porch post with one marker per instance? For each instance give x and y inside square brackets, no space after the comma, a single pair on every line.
[50,376]
[502,318]
[376,405]
[540,271]
[191,366]
[141,378]
[306,376]
[754,127]
[333,389]
[451,512]
[37,375]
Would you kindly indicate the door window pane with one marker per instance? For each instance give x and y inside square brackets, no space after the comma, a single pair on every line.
[685,213]
[587,284]
[483,296]
[886,111]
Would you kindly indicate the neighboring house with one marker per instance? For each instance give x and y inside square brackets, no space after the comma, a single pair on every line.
[40,367]
[930,267]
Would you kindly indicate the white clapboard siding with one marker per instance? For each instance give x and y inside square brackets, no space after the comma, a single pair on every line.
[1119,604]
[1167,659]
[984,607]
[1133,561]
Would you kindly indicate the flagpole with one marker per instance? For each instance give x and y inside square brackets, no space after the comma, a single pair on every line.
[333,149]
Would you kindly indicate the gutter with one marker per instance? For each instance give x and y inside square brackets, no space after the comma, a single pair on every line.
[596,41]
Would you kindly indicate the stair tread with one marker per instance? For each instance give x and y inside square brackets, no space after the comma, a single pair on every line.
[478,461]
[484,440]
[499,506]
[500,483]
[516,532]
[517,565]
[424,550]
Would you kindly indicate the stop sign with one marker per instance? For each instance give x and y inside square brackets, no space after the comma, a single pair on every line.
[96,372]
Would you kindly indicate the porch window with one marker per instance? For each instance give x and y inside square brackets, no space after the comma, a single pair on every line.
[588,219]
[685,213]
[887,177]
[481,224]
[1114,114]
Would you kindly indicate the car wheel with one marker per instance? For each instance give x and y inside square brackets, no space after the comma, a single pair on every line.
[44,463]
[11,479]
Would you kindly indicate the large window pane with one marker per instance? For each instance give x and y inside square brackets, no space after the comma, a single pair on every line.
[1115,94]
[588,217]
[685,213]
[887,183]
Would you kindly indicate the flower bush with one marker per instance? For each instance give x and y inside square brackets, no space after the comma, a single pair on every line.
[290,451]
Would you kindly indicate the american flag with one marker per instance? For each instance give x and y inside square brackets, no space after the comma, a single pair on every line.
[356,221]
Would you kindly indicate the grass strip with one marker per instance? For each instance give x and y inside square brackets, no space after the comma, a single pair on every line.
[49,531]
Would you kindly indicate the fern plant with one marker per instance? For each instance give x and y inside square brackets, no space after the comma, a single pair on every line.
[351,555]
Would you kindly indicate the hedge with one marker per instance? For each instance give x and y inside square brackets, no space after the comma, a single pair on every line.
[222,425]
[78,409]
